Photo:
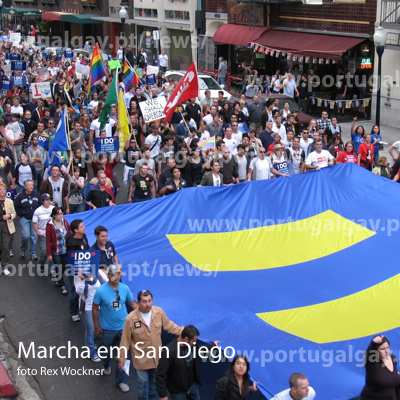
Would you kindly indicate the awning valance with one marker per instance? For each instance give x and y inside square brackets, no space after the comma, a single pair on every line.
[306,44]
[239,35]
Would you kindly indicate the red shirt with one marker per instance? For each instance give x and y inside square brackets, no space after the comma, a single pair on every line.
[367,155]
[345,156]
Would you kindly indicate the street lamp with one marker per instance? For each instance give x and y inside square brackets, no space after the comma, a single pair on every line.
[12,12]
[123,14]
[1,16]
[379,41]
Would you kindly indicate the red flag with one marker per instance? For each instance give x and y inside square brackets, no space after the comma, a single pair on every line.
[187,88]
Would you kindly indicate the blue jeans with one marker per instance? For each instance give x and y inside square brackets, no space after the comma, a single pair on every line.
[111,339]
[28,234]
[192,394]
[73,296]
[43,254]
[39,179]
[90,338]
[376,158]
[221,81]
[76,208]
[146,384]
[59,266]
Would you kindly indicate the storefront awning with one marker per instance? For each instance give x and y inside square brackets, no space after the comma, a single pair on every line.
[155,24]
[306,44]
[80,18]
[238,35]
[53,16]
[21,11]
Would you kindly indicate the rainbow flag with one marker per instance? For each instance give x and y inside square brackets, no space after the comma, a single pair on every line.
[208,144]
[136,78]
[129,79]
[97,70]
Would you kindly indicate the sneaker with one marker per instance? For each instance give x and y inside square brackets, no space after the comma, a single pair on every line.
[107,371]
[34,258]
[123,386]
[11,253]
[76,318]
[95,358]
[6,272]
[22,254]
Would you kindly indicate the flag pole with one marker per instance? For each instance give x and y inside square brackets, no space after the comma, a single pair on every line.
[69,137]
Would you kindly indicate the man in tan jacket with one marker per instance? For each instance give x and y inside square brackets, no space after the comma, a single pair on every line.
[142,335]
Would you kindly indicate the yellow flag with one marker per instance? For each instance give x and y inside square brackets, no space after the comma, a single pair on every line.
[123,122]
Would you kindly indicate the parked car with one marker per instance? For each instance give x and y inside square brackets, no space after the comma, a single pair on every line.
[206,82]
[88,53]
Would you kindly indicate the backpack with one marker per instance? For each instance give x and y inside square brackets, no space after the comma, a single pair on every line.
[141,60]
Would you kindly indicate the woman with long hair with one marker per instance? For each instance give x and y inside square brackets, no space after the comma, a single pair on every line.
[235,385]
[348,154]
[376,138]
[337,145]
[357,134]
[57,229]
[84,121]
[381,375]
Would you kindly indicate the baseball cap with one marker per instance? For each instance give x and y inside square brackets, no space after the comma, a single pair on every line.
[113,269]
[45,196]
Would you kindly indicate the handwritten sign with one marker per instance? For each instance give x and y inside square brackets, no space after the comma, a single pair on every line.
[82,69]
[151,70]
[15,128]
[41,89]
[18,65]
[107,144]
[15,38]
[86,261]
[153,109]
[43,74]
[7,69]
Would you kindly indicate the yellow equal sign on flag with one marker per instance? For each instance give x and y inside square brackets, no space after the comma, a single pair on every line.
[361,314]
[244,250]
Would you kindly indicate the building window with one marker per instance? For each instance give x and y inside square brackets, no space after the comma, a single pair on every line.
[146,12]
[180,15]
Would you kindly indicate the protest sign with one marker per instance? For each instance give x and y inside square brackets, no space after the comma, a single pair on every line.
[18,80]
[107,144]
[43,141]
[242,127]
[15,128]
[86,261]
[43,74]
[82,69]
[151,70]
[15,38]
[41,89]
[286,167]
[7,69]
[11,193]
[18,66]
[153,109]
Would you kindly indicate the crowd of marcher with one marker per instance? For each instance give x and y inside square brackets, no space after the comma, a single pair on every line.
[253,140]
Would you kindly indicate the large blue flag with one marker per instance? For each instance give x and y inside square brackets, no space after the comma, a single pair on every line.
[59,143]
[298,273]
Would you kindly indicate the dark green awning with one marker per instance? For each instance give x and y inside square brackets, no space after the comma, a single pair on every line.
[80,18]
[21,11]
